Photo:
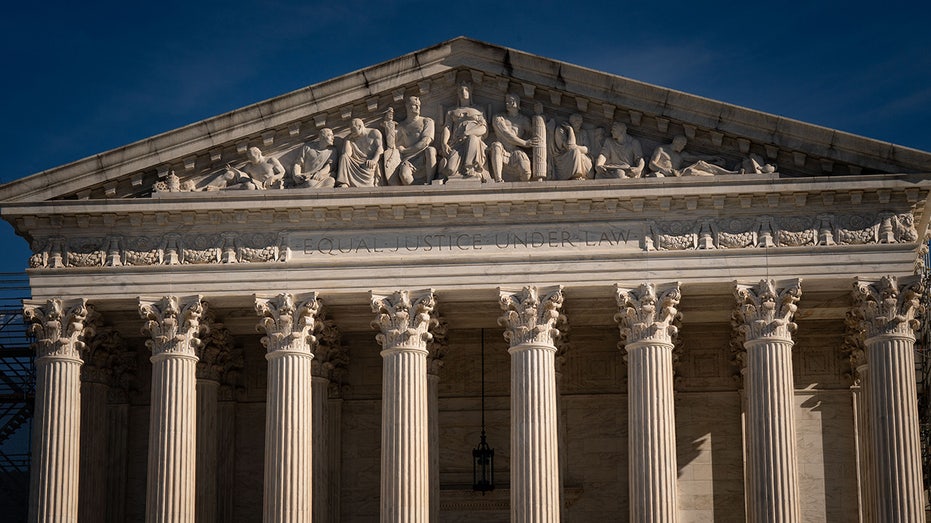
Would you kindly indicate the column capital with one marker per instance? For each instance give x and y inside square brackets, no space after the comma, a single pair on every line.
[766,310]
[530,314]
[213,355]
[648,315]
[288,321]
[437,346]
[173,323]
[58,326]
[330,356]
[887,307]
[99,353]
[404,318]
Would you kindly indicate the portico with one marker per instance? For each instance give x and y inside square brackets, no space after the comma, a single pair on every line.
[313,353]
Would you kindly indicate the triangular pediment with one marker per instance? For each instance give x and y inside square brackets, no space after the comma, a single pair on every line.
[736,139]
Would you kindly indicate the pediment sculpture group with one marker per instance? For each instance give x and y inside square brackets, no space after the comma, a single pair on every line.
[525,148]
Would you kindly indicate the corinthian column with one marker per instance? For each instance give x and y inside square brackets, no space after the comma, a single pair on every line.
[328,356]
[437,347]
[529,320]
[95,385]
[174,325]
[213,356]
[58,326]
[764,317]
[404,319]
[288,321]
[647,323]
[886,312]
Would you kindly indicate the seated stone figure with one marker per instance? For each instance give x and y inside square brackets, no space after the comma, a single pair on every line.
[409,156]
[509,159]
[621,155]
[463,145]
[359,164]
[317,163]
[671,160]
[571,151]
[259,172]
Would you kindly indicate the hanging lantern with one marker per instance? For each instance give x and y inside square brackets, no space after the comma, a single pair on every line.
[483,456]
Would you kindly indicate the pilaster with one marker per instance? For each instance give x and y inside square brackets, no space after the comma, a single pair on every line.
[764,319]
[59,329]
[529,319]
[648,321]
[404,318]
[288,321]
[173,325]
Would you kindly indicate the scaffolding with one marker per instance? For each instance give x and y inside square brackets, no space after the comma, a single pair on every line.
[17,397]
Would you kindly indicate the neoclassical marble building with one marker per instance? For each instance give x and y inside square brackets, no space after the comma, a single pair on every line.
[690,311]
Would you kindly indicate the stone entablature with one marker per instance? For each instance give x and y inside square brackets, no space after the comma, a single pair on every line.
[625,216]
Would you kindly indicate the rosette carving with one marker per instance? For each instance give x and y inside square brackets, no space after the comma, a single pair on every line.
[288,321]
[173,324]
[58,326]
[645,315]
[887,307]
[530,315]
[765,310]
[404,319]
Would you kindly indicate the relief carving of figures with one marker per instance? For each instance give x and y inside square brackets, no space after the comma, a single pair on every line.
[621,155]
[410,158]
[571,147]
[672,160]
[317,164]
[463,145]
[509,156]
[359,164]
[259,172]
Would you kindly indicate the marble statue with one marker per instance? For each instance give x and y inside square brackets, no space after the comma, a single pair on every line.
[317,163]
[515,133]
[259,172]
[571,149]
[672,160]
[463,145]
[621,155]
[362,152]
[409,151]
[754,164]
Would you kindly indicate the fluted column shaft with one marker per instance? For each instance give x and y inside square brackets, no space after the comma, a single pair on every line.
[207,391]
[94,444]
[173,324]
[289,322]
[172,436]
[864,446]
[433,439]
[534,443]
[117,453]
[530,317]
[404,319]
[896,449]
[54,480]
[288,438]
[773,462]
[651,432]
[404,466]
[321,456]
[56,429]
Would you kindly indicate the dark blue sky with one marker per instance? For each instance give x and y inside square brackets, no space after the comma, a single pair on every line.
[83,78]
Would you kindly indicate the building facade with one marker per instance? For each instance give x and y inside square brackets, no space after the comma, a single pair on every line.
[658,307]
